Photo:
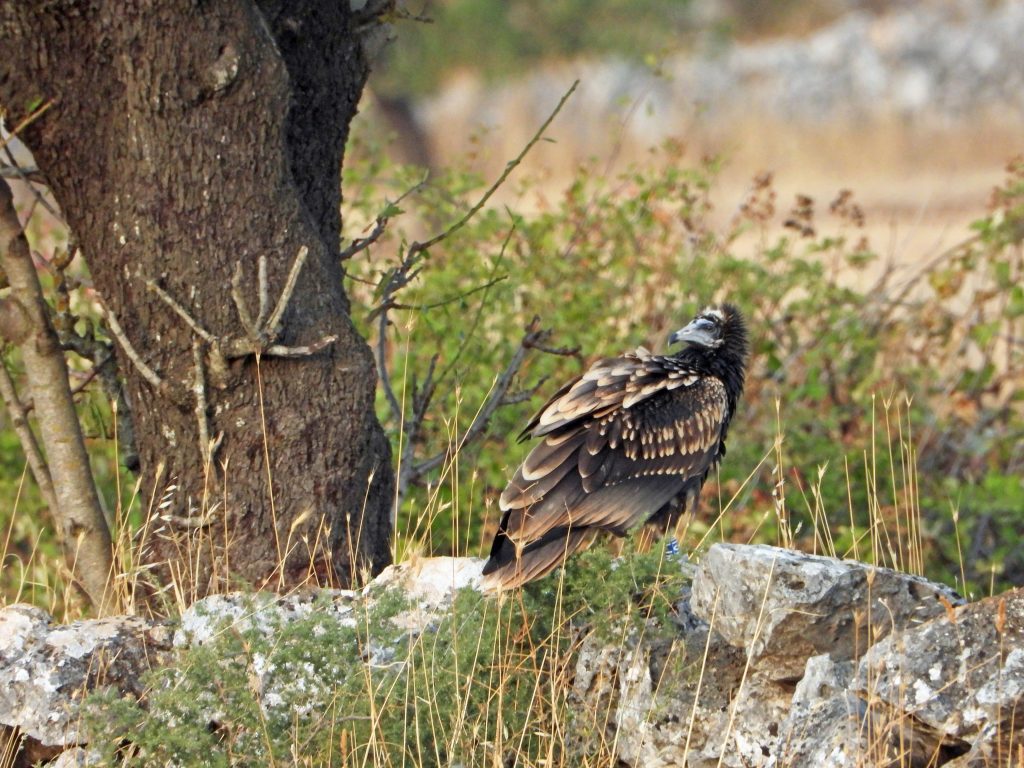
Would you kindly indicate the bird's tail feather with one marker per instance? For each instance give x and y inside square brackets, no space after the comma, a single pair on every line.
[506,571]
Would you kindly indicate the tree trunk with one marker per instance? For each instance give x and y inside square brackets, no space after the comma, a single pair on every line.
[188,140]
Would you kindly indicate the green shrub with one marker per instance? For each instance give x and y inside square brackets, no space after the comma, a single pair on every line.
[486,677]
[846,433]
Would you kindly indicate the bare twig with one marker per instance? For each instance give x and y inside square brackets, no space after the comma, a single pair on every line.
[451,299]
[192,522]
[401,276]
[362,243]
[199,390]
[18,414]
[380,224]
[179,310]
[264,290]
[118,333]
[497,395]
[15,171]
[27,121]
[396,281]
[382,368]
[259,338]
[533,338]
[417,247]
[475,323]
[408,268]
[241,307]
[523,395]
[32,173]
[279,350]
[274,323]
[407,463]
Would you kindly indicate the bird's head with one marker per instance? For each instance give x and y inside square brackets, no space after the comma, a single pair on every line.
[709,328]
[716,341]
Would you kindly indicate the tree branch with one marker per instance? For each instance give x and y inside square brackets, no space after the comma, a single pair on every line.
[259,337]
[273,326]
[18,414]
[179,310]
[416,248]
[15,171]
[401,276]
[83,528]
[126,346]
[380,225]
[411,472]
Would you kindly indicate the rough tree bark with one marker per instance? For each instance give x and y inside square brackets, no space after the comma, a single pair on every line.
[188,141]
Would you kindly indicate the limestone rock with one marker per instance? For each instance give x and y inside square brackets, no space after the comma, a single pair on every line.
[45,669]
[428,583]
[823,727]
[787,606]
[76,757]
[775,682]
[957,680]
[262,611]
[678,701]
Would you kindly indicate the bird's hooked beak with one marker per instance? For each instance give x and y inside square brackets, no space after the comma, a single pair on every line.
[700,331]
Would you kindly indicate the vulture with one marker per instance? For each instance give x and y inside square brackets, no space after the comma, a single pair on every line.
[628,442]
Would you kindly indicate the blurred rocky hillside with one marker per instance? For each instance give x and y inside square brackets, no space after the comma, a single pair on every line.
[915,105]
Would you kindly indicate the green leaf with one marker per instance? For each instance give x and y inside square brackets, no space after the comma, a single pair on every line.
[1015,304]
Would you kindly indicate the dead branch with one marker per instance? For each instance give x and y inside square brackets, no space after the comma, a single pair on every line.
[126,346]
[260,336]
[199,390]
[273,327]
[30,176]
[380,225]
[421,398]
[258,339]
[27,121]
[533,339]
[18,414]
[181,312]
[32,173]
[409,267]
[418,248]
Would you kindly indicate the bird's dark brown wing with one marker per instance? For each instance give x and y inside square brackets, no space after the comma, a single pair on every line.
[611,383]
[618,443]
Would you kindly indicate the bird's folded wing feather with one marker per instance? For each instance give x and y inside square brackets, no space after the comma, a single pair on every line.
[608,384]
[612,453]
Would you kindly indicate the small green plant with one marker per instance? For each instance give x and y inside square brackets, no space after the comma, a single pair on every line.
[488,676]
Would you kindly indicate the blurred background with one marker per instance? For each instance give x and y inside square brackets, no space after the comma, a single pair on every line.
[914,104]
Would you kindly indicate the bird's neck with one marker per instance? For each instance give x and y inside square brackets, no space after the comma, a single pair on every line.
[722,364]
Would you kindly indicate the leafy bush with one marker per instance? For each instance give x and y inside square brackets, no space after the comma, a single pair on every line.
[864,406]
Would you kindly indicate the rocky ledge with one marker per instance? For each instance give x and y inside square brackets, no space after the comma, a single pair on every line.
[804,661]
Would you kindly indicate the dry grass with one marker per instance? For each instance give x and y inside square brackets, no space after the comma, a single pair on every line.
[549,735]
